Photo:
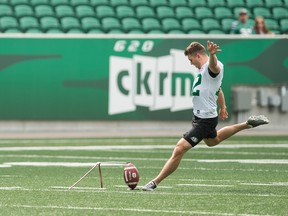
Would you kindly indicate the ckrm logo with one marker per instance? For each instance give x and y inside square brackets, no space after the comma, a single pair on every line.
[156,82]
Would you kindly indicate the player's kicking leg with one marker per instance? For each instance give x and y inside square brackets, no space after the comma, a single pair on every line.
[226,132]
[171,165]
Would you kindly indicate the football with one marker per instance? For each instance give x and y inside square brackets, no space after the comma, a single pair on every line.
[131,175]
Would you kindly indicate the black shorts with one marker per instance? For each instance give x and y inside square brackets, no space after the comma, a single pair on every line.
[201,129]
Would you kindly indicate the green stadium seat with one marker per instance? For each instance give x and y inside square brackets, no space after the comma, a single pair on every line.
[90,23]
[280,13]
[6,10]
[216,31]
[49,22]
[16,2]
[125,11]
[156,31]
[109,23]
[254,3]
[69,23]
[8,22]
[273,3]
[196,32]
[39,2]
[203,12]
[136,3]
[284,26]
[75,3]
[64,10]
[272,24]
[96,31]
[236,12]
[176,31]
[164,12]
[150,24]
[84,11]
[23,10]
[75,31]
[261,11]
[226,24]
[44,10]
[55,31]
[105,11]
[216,3]
[136,31]
[13,31]
[285,3]
[130,24]
[210,24]
[197,3]
[116,3]
[222,12]
[34,31]
[145,12]
[177,3]
[169,24]
[235,3]
[28,22]
[190,24]
[116,31]
[99,2]
[157,3]
[183,12]
[59,2]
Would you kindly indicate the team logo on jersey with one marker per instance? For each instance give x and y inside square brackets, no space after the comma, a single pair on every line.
[163,82]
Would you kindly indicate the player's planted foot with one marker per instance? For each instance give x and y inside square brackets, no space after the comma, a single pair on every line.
[254,121]
[150,186]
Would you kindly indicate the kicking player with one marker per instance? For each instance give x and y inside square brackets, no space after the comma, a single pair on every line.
[206,92]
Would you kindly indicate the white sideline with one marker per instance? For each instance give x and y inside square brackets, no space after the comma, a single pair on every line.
[129,210]
[129,147]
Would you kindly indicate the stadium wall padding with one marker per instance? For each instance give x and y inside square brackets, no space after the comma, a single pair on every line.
[122,78]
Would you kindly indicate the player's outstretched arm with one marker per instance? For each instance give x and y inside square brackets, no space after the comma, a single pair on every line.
[223,114]
[213,49]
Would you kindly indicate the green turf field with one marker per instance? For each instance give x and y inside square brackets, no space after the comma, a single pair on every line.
[242,176]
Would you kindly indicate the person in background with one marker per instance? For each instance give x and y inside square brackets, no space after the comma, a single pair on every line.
[242,26]
[260,26]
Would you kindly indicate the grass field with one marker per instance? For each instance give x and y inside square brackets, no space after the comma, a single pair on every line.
[242,176]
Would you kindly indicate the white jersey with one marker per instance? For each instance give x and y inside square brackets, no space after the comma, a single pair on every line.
[205,92]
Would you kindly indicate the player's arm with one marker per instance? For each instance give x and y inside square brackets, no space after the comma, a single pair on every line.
[213,64]
[223,114]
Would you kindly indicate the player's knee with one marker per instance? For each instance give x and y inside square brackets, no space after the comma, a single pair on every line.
[180,149]
[212,142]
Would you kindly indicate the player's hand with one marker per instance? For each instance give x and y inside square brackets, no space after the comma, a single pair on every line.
[212,48]
[223,114]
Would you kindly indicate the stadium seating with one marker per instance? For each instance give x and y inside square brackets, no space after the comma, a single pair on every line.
[183,12]
[136,16]
[125,11]
[43,10]
[89,23]
[169,24]
[84,11]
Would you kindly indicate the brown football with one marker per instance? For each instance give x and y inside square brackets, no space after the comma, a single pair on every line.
[131,175]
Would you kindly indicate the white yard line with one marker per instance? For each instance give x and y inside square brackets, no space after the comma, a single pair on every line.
[154,193]
[247,161]
[129,147]
[204,185]
[161,211]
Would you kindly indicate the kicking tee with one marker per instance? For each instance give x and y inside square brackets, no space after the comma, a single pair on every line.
[205,92]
